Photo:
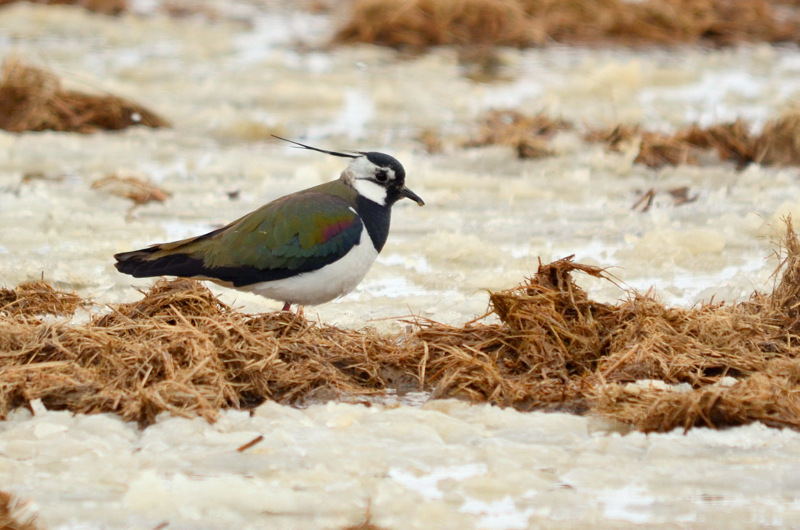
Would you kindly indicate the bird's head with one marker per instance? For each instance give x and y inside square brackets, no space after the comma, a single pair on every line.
[379,178]
[375,176]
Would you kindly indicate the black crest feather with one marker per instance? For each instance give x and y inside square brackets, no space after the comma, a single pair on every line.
[304,146]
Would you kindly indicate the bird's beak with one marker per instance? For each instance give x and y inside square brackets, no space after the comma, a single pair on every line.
[405,192]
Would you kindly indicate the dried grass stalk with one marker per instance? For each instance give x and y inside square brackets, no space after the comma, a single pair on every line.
[180,350]
[133,187]
[11,516]
[761,397]
[522,23]
[778,143]
[423,23]
[36,298]
[106,7]
[32,99]
[527,134]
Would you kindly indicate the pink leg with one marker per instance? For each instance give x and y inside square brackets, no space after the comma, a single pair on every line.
[286,306]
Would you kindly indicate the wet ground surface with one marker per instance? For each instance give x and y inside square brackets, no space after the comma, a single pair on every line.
[227,85]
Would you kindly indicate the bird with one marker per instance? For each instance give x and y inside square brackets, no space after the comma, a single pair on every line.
[305,248]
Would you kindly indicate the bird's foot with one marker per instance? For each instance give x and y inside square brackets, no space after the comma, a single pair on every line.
[286,306]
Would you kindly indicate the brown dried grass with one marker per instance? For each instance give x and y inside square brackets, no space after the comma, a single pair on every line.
[180,350]
[36,298]
[131,186]
[11,517]
[422,23]
[732,141]
[778,143]
[527,134]
[32,99]
[106,7]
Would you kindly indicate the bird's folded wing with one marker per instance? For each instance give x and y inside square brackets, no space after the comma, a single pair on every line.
[295,234]
[298,233]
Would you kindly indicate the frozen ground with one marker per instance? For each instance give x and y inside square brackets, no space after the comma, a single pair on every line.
[226,85]
[443,465]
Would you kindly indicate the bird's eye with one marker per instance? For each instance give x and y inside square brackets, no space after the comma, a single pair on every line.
[381,175]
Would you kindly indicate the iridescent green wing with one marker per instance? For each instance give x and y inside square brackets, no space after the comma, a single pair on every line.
[300,232]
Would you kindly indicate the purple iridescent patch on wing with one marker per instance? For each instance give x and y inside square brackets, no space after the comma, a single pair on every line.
[336,228]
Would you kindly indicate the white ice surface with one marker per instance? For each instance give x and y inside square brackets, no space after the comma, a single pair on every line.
[227,83]
[446,464]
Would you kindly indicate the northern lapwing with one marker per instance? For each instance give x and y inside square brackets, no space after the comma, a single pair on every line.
[306,248]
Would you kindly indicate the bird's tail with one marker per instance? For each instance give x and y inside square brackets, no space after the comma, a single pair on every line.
[180,258]
[158,261]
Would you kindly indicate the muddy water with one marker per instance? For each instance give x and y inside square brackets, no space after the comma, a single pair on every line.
[228,82]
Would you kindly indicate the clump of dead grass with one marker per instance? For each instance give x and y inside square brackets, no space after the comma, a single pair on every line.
[717,22]
[131,186]
[106,7]
[778,143]
[36,298]
[32,99]
[423,23]
[529,135]
[11,516]
[655,149]
[731,141]
[755,342]
[180,350]
[522,23]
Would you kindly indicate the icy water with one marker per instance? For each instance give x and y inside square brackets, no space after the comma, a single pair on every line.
[226,83]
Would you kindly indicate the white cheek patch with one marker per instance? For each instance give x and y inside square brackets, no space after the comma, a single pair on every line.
[361,167]
[371,190]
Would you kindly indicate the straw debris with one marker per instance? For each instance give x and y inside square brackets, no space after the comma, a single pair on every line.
[180,350]
[37,298]
[32,99]
[106,7]
[12,516]
[680,195]
[131,186]
[731,141]
[419,24]
[778,143]
[422,23]
[528,135]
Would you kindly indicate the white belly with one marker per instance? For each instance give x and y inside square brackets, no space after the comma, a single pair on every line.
[325,284]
